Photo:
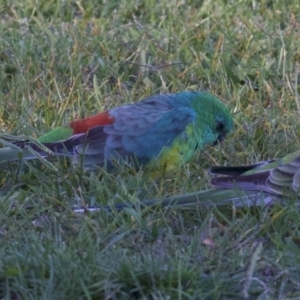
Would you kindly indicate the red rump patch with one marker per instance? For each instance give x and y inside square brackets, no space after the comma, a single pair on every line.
[83,125]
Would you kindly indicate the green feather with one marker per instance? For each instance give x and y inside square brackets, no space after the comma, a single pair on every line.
[57,134]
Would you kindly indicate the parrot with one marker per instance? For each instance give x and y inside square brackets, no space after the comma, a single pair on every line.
[160,132]
[260,184]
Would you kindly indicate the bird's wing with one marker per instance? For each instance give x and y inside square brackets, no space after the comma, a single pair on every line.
[139,131]
[275,177]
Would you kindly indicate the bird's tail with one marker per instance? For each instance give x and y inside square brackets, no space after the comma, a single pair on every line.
[9,154]
[31,149]
[207,198]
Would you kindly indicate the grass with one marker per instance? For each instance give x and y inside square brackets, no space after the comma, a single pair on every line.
[62,60]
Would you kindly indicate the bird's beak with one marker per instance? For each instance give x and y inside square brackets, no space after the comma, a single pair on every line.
[220,138]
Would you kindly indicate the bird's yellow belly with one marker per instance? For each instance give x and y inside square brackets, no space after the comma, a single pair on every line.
[171,158]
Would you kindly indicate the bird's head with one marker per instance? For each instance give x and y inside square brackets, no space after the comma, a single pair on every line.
[214,118]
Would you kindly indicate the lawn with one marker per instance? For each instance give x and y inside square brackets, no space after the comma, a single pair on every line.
[67,59]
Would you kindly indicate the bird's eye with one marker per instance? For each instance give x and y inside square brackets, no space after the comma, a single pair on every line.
[219,126]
